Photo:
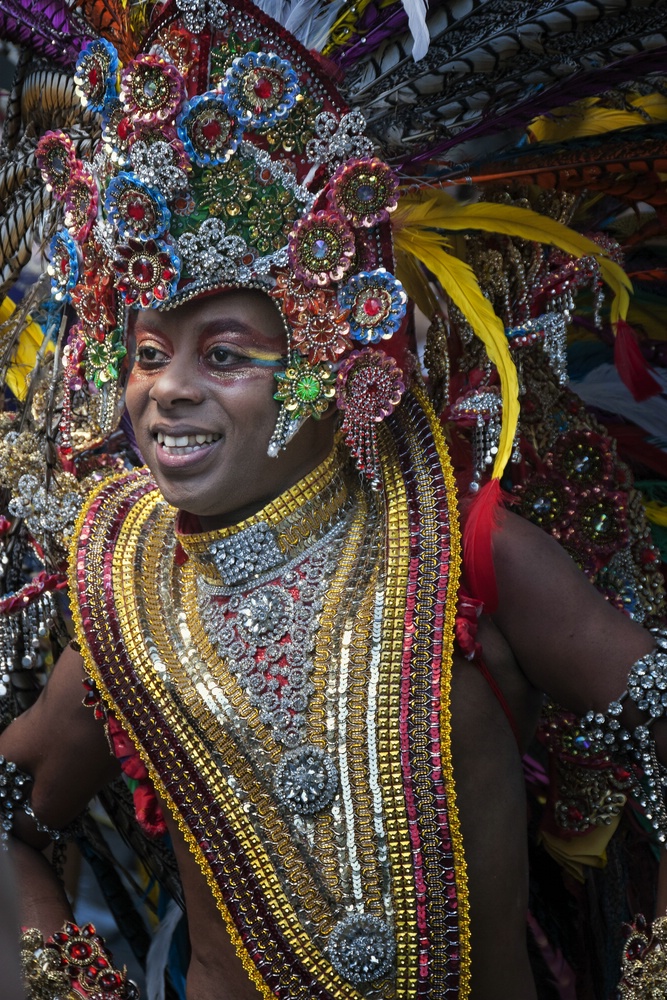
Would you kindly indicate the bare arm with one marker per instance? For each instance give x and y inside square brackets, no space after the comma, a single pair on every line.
[63,747]
[567,639]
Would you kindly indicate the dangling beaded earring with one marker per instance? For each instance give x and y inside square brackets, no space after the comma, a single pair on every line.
[369,387]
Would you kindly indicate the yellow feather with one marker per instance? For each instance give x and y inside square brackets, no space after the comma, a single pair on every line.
[25,354]
[459,282]
[590,117]
[438,210]
[656,512]
[415,283]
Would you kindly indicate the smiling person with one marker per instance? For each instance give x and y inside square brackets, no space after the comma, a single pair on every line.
[314,689]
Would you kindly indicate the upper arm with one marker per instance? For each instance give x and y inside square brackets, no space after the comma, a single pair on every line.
[61,745]
[566,637]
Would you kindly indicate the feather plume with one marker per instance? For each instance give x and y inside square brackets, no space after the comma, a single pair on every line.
[24,357]
[439,210]
[485,72]
[416,11]
[16,232]
[46,27]
[111,20]
[630,364]
[481,522]
[49,101]
[458,281]
[13,123]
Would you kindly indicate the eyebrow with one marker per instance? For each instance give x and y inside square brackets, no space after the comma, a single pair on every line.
[227,326]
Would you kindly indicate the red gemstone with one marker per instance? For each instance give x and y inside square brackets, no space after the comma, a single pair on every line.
[143,270]
[64,265]
[80,951]
[93,77]
[372,306]
[136,210]
[211,131]
[123,128]
[263,88]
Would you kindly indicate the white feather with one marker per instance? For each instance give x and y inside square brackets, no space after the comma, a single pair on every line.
[416,11]
[158,953]
[308,20]
[602,387]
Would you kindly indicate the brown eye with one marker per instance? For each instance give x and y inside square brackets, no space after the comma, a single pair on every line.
[149,355]
[222,356]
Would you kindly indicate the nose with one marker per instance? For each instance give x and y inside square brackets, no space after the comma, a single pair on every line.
[178,382]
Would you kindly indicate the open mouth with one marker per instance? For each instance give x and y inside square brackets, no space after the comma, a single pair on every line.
[185,444]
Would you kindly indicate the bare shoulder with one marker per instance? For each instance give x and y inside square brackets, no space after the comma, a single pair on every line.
[60,743]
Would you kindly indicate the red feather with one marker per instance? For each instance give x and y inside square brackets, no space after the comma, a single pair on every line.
[631,365]
[482,520]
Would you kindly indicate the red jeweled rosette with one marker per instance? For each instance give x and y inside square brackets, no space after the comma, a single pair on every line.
[147,271]
[135,208]
[81,202]
[260,88]
[96,73]
[57,160]
[321,248]
[364,191]
[94,301]
[208,131]
[151,90]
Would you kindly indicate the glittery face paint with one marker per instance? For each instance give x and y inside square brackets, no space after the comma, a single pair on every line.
[200,396]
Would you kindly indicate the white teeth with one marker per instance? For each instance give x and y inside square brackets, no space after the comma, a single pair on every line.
[186,443]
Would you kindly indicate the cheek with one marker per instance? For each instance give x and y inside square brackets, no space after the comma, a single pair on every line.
[136,396]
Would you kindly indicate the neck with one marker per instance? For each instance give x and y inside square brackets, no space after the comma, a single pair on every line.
[281,528]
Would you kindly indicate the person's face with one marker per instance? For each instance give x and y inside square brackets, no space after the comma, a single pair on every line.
[203,412]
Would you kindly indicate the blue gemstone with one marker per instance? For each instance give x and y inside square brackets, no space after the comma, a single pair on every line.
[320,249]
[366,192]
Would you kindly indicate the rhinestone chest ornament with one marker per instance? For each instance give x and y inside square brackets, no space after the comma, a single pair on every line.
[264,625]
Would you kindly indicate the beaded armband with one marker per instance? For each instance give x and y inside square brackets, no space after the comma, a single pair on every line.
[644,968]
[15,795]
[73,963]
[647,688]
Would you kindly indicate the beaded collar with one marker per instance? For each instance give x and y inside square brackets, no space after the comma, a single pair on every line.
[278,533]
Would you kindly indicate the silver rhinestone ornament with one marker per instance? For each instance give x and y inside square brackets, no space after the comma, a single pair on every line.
[154,165]
[306,780]
[245,555]
[362,948]
[268,631]
[212,252]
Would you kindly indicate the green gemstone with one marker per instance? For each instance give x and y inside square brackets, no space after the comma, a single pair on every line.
[307,389]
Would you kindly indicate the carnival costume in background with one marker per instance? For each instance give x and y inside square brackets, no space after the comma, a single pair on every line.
[325,153]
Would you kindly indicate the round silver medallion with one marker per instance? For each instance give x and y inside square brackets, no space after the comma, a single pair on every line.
[362,948]
[306,780]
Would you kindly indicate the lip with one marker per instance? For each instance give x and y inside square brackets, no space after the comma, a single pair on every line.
[187,461]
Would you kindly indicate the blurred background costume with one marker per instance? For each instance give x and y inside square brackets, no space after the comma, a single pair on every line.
[491,164]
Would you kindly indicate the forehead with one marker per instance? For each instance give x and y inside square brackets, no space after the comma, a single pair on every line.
[246,313]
